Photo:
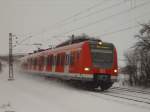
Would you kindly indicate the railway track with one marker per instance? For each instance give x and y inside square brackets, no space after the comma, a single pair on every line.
[131,90]
[123,96]
[135,95]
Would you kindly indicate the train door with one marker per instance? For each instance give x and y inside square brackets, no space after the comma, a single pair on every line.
[67,62]
[54,63]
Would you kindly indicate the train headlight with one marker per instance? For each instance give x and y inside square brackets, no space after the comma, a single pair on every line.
[87,69]
[100,43]
[115,70]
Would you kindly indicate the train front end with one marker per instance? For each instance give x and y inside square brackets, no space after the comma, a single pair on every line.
[102,63]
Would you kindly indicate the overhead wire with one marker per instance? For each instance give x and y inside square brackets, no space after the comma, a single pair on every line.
[126,28]
[106,18]
[77,14]
[122,12]
[87,9]
[95,12]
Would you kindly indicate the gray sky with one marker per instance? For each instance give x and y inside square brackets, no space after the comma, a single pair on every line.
[43,19]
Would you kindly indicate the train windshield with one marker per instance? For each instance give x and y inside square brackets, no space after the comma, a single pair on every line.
[102,57]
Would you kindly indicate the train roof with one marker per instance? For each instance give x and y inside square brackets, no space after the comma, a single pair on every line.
[73,40]
[77,39]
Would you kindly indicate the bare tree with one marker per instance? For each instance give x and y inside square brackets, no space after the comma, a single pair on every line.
[143,49]
[138,60]
[131,67]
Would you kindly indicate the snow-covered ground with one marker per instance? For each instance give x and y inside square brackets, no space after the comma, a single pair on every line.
[31,93]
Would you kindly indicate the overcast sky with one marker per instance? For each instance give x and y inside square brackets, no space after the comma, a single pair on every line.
[45,21]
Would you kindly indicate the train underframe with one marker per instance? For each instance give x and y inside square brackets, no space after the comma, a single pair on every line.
[99,80]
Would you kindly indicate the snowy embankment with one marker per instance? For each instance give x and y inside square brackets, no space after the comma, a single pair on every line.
[31,93]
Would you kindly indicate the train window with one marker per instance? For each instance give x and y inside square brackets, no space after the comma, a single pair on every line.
[102,57]
[71,59]
[67,59]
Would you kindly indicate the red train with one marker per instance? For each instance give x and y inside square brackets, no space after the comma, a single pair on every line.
[87,61]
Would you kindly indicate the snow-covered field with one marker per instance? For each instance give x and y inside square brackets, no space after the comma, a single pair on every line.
[31,93]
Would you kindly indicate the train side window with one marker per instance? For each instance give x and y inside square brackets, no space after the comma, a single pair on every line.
[71,59]
[67,59]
